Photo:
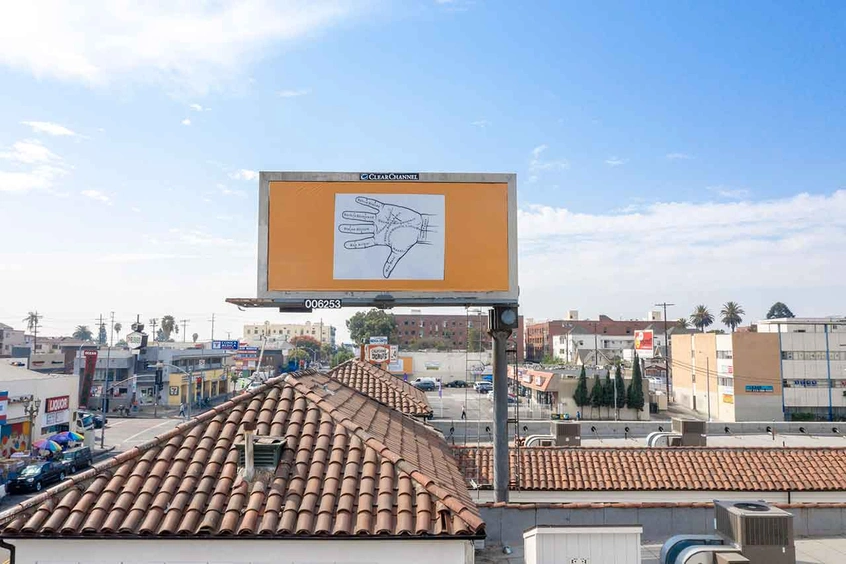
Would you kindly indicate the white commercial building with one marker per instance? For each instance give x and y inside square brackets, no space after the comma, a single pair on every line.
[323,332]
[10,338]
[59,399]
[813,365]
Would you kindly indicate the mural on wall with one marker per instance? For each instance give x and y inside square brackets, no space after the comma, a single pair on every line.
[13,438]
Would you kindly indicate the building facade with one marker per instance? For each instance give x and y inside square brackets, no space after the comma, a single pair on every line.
[812,363]
[10,338]
[455,332]
[323,332]
[733,377]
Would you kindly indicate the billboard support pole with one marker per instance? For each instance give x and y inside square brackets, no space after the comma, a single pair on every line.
[500,411]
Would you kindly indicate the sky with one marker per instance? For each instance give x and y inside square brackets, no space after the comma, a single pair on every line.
[685,152]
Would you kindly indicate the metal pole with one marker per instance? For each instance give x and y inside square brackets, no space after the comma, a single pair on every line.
[666,349]
[500,413]
[106,397]
[708,383]
[190,395]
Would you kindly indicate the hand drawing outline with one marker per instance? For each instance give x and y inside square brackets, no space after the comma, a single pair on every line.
[397,227]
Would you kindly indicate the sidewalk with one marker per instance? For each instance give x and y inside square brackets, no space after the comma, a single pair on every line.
[148,411]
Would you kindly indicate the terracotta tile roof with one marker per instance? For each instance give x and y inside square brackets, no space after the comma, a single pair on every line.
[383,386]
[349,467]
[643,469]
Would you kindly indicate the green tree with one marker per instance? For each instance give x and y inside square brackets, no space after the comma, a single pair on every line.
[428,343]
[581,395]
[298,354]
[374,323]
[621,387]
[475,340]
[32,321]
[608,393]
[194,337]
[732,315]
[118,327]
[307,343]
[168,326]
[779,311]
[342,356]
[327,351]
[597,395]
[701,317]
[683,323]
[82,333]
[102,336]
[634,397]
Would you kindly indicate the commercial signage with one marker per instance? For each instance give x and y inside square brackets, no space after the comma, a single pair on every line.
[728,398]
[378,340]
[395,366]
[136,340]
[381,353]
[4,405]
[644,344]
[805,383]
[759,389]
[387,238]
[173,390]
[225,345]
[56,418]
[432,365]
[59,403]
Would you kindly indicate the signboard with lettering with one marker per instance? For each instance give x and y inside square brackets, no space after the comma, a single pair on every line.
[4,404]
[136,340]
[59,403]
[225,345]
[759,389]
[381,353]
[378,340]
[644,343]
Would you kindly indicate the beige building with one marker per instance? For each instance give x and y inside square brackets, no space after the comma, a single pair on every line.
[323,332]
[732,377]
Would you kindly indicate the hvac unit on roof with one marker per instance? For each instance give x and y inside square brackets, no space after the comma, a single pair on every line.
[762,533]
[566,433]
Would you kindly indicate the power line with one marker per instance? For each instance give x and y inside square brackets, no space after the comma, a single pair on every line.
[667,354]
[212,327]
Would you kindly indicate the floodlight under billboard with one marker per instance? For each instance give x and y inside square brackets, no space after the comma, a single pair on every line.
[328,240]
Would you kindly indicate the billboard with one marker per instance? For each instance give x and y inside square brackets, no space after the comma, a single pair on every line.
[381,353]
[644,343]
[328,240]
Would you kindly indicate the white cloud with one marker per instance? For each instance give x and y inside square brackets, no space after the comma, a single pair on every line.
[29,152]
[753,252]
[50,128]
[97,195]
[186,121]
[614,161]
[293,93]
[481,123]
[678,156]
[198,108]
[729,193]
[537,164]
[186,45]
[35,167]
[197,238]
[135,210]
[244,174]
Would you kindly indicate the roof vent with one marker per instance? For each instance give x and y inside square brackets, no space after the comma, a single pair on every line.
[267,452]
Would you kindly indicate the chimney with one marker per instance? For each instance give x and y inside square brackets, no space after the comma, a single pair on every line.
[249,460]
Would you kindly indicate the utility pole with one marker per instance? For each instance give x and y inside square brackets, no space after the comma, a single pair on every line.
[184,323]
[212,327]
[154,321]
[708,384]
[106,384]
[667,353]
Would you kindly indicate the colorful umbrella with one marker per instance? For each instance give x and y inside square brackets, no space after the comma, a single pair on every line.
[46,444]
[66,437]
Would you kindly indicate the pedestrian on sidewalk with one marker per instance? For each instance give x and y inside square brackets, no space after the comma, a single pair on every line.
[463,412]
[182,409]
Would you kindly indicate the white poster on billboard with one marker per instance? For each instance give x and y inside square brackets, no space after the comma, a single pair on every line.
[644,343]
[389,236]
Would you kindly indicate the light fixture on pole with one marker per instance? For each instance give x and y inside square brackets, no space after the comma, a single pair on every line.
[31,408]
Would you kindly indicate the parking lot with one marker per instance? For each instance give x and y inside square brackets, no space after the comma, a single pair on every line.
[477,406]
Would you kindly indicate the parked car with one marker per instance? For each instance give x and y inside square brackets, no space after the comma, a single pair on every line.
[35,476]
[425,384]
[91,421]
[100,421]
[511,397]
[77,458]
[456,384]
[483,386]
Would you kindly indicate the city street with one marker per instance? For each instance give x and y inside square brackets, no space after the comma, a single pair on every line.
[124,434]
[478,406]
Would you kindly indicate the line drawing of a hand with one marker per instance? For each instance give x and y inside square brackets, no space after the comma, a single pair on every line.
[397,227]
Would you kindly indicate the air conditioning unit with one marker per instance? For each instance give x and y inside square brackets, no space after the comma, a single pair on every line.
[566,434]
[762,533]
[693,432]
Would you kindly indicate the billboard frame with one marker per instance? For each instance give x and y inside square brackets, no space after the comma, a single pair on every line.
[295,300]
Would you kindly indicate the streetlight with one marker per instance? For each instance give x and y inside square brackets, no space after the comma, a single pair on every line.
[31,409]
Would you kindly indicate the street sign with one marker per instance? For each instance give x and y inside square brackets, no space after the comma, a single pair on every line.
[136,340]
[202,362]
[378,340]
[225,345]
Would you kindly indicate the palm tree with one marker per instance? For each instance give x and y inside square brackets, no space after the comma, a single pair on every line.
[701,317]
[194,337]
[118,327]
[682,323]
[32,320]
[732,315]
[83,333]
[169,326]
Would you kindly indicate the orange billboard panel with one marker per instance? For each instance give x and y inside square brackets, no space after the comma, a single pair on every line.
[344,236]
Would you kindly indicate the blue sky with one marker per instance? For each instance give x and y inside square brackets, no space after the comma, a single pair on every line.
[665,150]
